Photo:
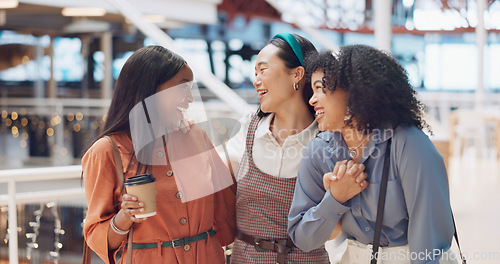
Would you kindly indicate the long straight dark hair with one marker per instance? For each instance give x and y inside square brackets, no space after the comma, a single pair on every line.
[139,78]
[291,61]
[141,74]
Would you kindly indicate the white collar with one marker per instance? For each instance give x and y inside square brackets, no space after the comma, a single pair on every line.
[304,137]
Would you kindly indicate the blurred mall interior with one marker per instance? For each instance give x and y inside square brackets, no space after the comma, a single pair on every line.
[59,60]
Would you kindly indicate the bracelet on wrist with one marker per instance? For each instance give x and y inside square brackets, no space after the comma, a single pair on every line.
[116,229]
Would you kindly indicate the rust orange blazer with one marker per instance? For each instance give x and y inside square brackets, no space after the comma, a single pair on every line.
[174,218]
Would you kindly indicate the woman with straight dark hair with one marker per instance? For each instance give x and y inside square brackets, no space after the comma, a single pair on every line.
[267,152]
[191,231]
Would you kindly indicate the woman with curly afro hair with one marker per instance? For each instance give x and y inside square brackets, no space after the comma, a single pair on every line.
[368,110]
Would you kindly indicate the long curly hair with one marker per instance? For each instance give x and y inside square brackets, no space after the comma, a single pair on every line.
[380,94]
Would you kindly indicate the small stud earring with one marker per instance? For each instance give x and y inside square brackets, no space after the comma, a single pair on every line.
[347,115]
[296,86]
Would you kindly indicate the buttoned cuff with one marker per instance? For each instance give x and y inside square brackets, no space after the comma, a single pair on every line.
[330,208]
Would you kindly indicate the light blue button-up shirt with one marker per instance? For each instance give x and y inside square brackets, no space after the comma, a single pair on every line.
[417,207]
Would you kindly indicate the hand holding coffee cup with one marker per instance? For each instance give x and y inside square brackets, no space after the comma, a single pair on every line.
[142,187]
[130,207]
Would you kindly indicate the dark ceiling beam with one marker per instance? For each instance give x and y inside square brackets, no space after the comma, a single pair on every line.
[249,10]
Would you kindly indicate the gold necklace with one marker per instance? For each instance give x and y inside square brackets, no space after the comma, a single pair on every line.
[353,152]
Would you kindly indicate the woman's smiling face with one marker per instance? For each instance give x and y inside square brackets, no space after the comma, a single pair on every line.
[273,80]
[174,96]
[330,107]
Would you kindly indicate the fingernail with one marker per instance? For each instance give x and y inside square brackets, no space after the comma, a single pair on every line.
[141,204]
[142,209]
[362,184]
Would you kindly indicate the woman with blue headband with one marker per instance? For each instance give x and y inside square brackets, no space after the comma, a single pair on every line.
[267,153]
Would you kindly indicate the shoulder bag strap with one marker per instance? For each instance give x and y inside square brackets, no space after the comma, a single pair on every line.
[380,210]
[381,202]
[118,163]
[464,261]
[87,253]
[121,180]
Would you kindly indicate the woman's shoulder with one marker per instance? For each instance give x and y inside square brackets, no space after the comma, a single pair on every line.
[411,140]
[102,146]
[323,141]
[409,133]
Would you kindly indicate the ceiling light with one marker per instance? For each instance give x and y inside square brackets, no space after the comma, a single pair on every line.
[8,3]
[83,11]
[155,18]
[87,26]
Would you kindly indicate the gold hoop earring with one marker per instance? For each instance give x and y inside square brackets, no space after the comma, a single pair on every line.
[296,86]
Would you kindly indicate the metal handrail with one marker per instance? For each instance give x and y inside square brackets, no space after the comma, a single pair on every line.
[41,174]
[11,177]
[50,195]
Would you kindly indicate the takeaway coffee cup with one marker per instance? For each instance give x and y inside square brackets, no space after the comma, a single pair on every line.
[143,187]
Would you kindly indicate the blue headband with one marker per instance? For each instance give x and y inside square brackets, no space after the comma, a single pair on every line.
[294,44]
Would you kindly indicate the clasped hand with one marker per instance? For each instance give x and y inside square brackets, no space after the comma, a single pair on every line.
[346,181]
